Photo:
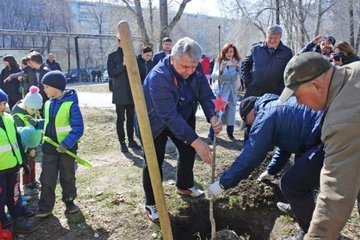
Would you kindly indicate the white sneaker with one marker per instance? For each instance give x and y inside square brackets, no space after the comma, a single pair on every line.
[265,176]
[152,213]
[192,192]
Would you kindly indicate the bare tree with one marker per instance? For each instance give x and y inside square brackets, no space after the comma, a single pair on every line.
[167,28]
[137,12]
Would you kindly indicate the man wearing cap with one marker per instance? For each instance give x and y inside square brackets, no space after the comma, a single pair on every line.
[292,128]
[321,44]
[320,85]
[263,67]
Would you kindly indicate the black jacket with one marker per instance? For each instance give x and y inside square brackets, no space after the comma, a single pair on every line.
[119,78]
[53,65]
[262,71]
[144,67]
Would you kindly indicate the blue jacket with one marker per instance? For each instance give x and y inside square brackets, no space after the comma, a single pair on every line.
[293,128]
[76,123]
[172,101]
[262,72]
[158,57]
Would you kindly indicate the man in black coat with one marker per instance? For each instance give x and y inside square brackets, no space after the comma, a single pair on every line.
[122,97]
[51,63]
[263,67]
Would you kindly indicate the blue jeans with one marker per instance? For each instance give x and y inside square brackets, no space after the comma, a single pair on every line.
[300,181]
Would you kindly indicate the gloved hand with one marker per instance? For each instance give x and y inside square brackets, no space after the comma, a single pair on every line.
[265,176]
[61,148]
[215,189]
[31,120]
[26,169]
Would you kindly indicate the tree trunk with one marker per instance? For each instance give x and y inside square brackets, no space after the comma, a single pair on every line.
[165,30]
[278,12]
[351,23]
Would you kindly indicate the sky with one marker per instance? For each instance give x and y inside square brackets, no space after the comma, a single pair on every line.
[205,7]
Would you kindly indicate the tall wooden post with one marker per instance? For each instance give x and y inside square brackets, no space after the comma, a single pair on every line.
[145,130]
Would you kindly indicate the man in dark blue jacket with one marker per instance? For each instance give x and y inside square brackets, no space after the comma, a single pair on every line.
[263,67]
[166,45]
[172,90]
[292,128]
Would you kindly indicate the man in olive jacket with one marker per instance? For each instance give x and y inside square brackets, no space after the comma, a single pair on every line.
[320,85]
[122,97]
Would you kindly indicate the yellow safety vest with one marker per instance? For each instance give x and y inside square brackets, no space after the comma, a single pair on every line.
[21,116]
[62,120]
[10,155]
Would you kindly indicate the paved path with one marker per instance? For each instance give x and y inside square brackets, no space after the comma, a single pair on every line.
[103,100]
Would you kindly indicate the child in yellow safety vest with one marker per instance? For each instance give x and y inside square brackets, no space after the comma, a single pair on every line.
[30,105]
[63,124]
[12,157]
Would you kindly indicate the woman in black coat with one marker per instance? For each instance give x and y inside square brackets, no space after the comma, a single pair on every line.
[11,87]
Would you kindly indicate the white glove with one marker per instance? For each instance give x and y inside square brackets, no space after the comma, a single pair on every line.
[265,176]
[215,189]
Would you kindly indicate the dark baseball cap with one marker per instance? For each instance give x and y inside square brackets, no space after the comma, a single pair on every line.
[301,69]
[245,108]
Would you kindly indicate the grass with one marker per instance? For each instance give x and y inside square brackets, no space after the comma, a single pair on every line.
[286,218]
[234,201]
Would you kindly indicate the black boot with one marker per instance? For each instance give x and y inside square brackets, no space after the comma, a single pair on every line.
[133,144]
[230,133]
[27,212]
[71,207]
[123,147]
[23,225]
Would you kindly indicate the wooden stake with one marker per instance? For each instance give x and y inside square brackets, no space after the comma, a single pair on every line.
[211,204]
[145,130]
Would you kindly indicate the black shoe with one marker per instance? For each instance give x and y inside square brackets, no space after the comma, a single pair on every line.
[133,144]
[284,207]
[23,225]
[123,147]
[26,212]
[71,207]
[232,138]
[43,214]
[299,235]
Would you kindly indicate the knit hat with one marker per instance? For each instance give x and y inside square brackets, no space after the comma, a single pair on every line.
[33,99]
[55,79]
[246,105]
[3,96]
[30,136]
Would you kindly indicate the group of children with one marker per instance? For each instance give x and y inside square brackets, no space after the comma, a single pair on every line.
[21,132]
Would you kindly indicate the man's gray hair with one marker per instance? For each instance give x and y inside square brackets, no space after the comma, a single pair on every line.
[274,29]
[187,46]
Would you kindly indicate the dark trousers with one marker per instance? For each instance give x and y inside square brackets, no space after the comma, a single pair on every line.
[300,181]
[10,195]
[229,131]
[52,165]
[121,111]
[185,163]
